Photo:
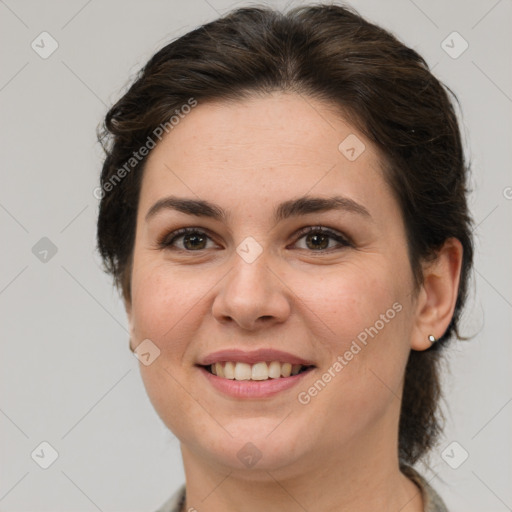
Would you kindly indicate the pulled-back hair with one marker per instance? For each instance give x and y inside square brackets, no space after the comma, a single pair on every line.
[330,53]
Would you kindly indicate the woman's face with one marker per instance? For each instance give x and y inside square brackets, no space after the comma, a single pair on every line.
[252,281]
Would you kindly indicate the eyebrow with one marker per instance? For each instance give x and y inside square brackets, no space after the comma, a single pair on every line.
[291,208]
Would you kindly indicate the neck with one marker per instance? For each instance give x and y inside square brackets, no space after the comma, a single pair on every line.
[361,477]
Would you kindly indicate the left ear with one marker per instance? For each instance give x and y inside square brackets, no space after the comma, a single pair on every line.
[438,294]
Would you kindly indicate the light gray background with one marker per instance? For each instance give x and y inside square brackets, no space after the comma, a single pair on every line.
[67,376]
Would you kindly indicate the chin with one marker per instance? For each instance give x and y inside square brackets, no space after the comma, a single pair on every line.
[251,460]
[255,448]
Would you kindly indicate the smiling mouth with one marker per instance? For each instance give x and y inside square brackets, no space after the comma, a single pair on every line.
[264,370]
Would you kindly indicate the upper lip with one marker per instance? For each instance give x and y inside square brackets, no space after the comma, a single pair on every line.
[252,357]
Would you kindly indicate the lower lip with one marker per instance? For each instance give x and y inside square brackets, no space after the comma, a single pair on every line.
[253,388]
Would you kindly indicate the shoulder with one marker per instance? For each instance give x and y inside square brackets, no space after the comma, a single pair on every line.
[173,503]
[432,501]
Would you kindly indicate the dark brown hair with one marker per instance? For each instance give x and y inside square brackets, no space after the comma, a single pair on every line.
[330,53]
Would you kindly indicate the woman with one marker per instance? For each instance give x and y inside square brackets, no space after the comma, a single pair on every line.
[283,206]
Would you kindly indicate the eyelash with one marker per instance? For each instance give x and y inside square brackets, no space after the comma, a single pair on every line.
[166,243]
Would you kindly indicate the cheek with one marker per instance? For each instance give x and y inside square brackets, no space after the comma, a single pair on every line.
[349,299]
[363,314]
[366,355]
[164,304]
[165,308]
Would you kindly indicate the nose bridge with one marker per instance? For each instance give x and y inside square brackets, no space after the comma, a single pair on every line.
[250,290]
[249,278]
[255,271]
[250,262]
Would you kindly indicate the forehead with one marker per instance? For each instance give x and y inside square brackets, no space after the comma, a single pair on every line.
[253,149]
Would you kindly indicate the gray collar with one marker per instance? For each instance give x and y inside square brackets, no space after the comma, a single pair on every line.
[432,501]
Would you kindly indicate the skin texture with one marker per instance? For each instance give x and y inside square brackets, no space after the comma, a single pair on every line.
[339,451]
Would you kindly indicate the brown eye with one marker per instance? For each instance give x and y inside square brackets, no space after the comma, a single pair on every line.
[317,241]
[319,238]
[192,240]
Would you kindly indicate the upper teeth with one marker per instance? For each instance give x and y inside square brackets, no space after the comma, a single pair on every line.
[259,371]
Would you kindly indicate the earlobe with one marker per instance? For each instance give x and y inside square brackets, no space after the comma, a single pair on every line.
[130,325]
[438,295]
[128,309]
[432,339]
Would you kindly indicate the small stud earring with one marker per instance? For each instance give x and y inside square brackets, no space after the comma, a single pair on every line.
[432,338]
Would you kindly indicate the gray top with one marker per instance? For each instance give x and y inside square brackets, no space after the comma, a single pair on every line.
[431,500]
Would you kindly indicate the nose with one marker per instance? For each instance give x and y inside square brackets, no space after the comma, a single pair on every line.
[252,296]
